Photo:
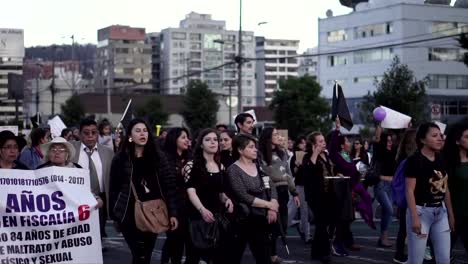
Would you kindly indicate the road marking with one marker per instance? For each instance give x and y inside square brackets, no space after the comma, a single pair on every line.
[368,259]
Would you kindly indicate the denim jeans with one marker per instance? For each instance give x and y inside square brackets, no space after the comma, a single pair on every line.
[434,224]
[383,194]
[304,225]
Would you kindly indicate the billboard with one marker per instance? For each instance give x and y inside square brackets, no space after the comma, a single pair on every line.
[11,42]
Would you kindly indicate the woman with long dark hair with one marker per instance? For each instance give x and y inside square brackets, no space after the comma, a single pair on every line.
[352,194]
[358,153]
[274,162]
[456,157]
[320,194]
[406,148]
[204,182]
[226,147]
[428,197]
[384,154]
[176,148]
[295,164]
[256,208]
[141,163]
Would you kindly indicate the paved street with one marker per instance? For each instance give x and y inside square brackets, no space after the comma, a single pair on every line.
[118,252]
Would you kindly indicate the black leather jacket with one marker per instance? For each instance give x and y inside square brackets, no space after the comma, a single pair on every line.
[120,194]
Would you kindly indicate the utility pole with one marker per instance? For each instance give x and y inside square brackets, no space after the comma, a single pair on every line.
[239,62]
[52,84]
[73,64]
[110,78]
[230,105]
[37,94]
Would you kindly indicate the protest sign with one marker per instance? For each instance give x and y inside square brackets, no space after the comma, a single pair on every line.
[395,119]
[48,216]
[56,126]
[13,129]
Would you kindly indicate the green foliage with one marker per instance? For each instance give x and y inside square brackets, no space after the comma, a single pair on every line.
[463,41]
[366,133]
[153,111]
[200,106]
[298,106]
[72,111]
[398,90]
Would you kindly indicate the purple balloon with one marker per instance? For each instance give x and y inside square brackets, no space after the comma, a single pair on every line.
[379,114]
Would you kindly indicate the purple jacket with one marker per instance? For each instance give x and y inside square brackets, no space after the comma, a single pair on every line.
[361,199]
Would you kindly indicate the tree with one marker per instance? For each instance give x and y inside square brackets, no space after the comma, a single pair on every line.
[153,111]
[298,106]
[200,106]
[463,41]
[398,90]
[73,111]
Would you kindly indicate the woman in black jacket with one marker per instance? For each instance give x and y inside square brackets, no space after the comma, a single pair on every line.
[320,194]
[176,148]
[140,161]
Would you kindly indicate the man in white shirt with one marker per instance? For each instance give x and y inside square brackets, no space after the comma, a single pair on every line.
[97,159]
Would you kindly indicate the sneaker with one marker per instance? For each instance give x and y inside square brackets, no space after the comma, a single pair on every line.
[427,254]
[339,250]
[400,258]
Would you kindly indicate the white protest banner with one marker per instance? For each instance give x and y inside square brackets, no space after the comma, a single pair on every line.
[394,119]
[48,216]
[56,126]
[13,129]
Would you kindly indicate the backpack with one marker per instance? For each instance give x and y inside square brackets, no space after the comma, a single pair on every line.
[398,186]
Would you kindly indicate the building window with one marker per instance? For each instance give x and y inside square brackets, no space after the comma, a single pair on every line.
[195,46]
[373,30]
[231,38]
[195,36]
[337,60]
[230,47]
[247,38]
[178,44]
[445,54]
[179,35]
[209,41]
[195,55]
[336,36]
[453,107]
[449,28]
[373,55]
[367,79]
[444,81]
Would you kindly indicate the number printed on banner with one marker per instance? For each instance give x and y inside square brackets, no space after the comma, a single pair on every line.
[75,180]
[56,178]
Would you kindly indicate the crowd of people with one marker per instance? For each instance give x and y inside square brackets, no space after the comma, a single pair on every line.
[251,189]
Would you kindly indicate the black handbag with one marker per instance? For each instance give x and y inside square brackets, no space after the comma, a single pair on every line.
[206,236]
[373,174]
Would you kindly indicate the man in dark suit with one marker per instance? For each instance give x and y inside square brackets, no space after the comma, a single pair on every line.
[97,159]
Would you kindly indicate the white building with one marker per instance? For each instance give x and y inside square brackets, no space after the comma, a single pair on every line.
[11,61]
[308,65]
[37,94]
[271,71]
[201,43]
[369,34]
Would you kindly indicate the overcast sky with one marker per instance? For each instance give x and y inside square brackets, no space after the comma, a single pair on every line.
[54,21]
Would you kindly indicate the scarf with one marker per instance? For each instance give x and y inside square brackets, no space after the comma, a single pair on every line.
[345,156]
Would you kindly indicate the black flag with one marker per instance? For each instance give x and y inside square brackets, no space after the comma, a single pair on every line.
[340,108]
[36,120]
